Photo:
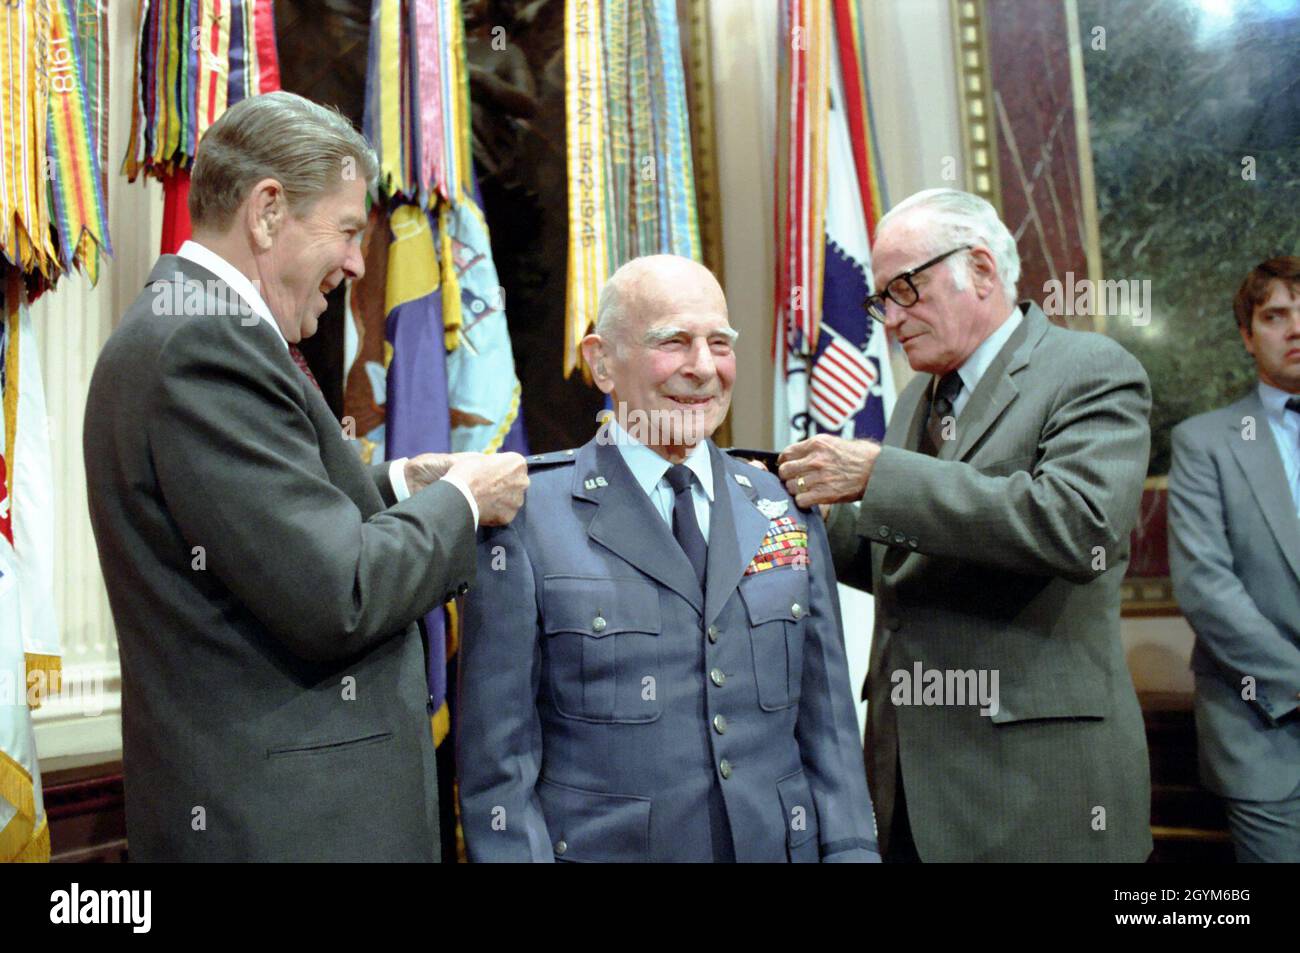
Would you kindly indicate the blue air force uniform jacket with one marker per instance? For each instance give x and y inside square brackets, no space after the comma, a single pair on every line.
[610,711]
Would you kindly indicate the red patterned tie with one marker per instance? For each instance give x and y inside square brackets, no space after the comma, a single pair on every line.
[302,364]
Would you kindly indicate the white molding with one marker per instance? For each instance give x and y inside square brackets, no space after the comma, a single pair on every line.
[84,721]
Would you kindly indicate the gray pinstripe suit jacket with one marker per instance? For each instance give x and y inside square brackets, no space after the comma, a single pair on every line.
[1005,553]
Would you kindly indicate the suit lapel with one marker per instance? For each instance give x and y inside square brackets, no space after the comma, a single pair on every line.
[1266,477]
[627,523]
[736,530]
[912,407]
[997,389]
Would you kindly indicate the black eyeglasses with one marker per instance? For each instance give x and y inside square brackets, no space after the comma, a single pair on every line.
[901,289]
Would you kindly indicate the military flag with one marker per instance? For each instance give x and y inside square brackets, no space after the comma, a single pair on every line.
[832,361]
[30,653]
[437,373]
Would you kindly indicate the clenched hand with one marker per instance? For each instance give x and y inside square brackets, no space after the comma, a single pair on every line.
[825,469]
[497,480]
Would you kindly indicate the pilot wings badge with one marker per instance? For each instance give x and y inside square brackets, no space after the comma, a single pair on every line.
[772,508]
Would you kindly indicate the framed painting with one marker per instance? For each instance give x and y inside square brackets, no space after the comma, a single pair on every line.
[1152,153]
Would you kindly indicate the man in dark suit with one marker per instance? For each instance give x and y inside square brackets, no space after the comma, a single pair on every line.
[653,667]
[1234,554]
[993,528]
[264,582]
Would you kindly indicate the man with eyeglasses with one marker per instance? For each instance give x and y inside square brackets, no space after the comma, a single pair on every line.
[993,527]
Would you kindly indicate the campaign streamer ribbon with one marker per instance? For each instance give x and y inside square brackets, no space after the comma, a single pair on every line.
[584,140]
[801,173]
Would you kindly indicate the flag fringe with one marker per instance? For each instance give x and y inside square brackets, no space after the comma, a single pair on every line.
[16,787]
[50,680]
[20,845]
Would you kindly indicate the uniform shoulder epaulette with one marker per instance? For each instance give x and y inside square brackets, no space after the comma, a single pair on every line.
[766,457]
[553,459]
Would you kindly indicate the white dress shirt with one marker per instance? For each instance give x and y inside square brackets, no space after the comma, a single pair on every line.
[978,363]
[1285,425]
[650,471]
[238,282]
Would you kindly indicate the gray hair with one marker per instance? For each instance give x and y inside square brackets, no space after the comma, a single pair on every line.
[610,308]
[954,218]
[308,148]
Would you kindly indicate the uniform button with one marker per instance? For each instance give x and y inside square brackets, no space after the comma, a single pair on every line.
[560,847]
[724,768]
[914,542]
[598,624]
[796,610]
[900,538]
[463,588]
[718,677]
[719,724]
[713,633]
[884,532]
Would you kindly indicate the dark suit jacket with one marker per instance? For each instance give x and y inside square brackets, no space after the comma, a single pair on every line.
[1005,553]
[1234,555]
[679,713]
[274,701]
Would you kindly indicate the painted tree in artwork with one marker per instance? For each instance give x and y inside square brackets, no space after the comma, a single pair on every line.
[1195,127]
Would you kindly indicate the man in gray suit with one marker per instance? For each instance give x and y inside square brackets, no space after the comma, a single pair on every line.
[264,582]
[1234,554]
[993,527]
[629,691]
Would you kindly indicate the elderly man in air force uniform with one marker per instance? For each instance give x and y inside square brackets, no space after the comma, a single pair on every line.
[629,691]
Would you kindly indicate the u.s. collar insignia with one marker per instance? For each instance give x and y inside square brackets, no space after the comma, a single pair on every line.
[743,480]
[772,508]
[594,482]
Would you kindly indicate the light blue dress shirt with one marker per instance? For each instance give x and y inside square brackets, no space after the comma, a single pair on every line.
[1285,425]
[650,471]
[978,363]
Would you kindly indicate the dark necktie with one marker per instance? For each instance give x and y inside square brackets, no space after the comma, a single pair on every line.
[301,361]
[940,407]
[1293,405]
[686,528]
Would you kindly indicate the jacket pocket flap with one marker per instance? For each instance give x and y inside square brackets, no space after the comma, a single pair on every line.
[599,605]
[595,827]
[1079,694]
[769,596]
[797,806]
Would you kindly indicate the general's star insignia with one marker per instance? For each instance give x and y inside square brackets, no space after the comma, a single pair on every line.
[743,480]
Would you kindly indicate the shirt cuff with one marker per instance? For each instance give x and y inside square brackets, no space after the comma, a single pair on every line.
[397,477]
[469,497]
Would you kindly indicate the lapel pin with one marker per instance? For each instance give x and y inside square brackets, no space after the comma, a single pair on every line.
[594,482]
[743,480]
[772,508]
